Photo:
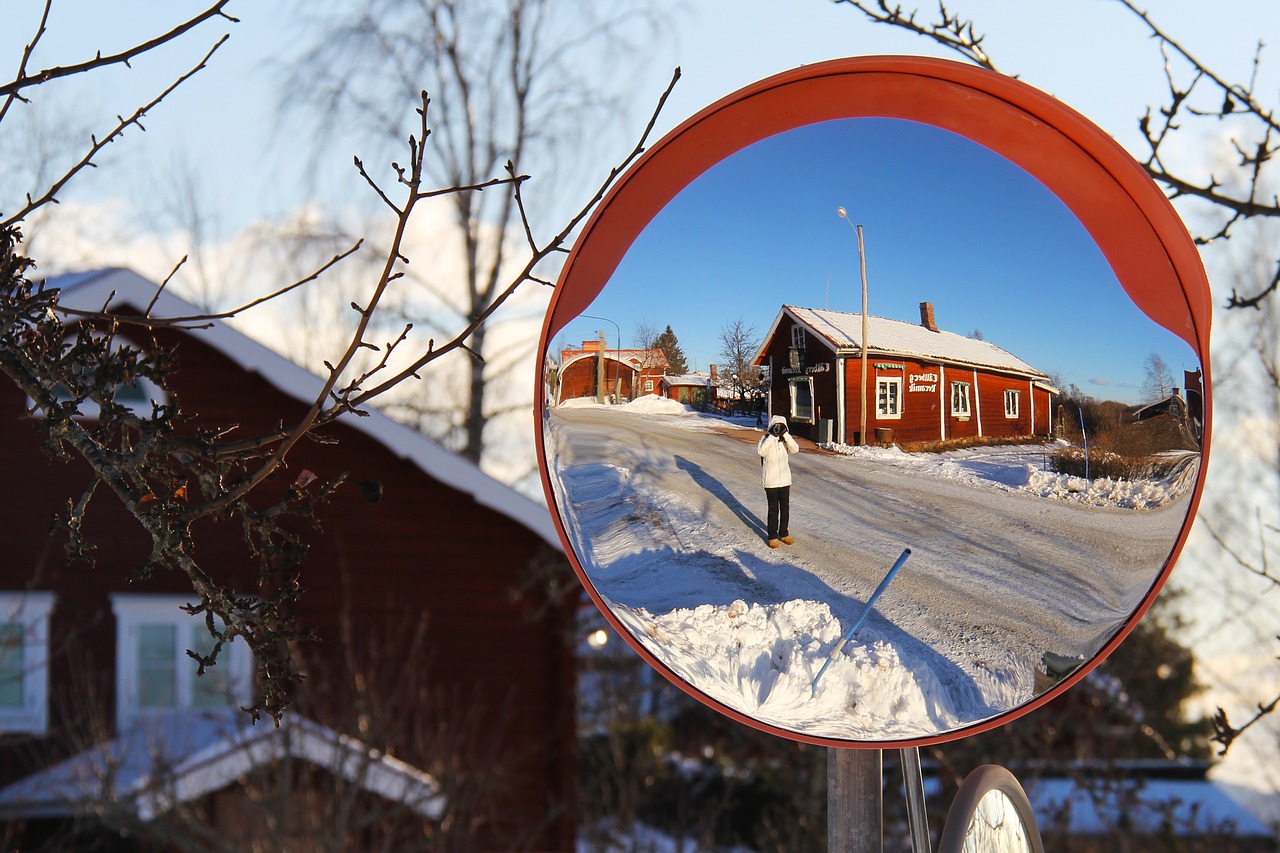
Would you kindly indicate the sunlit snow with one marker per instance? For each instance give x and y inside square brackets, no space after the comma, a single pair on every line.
[676,551]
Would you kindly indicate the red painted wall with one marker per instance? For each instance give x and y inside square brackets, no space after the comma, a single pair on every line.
[425,547]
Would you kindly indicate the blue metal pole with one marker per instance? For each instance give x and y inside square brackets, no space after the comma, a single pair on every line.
[862,617]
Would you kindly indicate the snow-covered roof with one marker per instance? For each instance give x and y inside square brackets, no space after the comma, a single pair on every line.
[176,757]
[91,290]
[688,379]
[842,332]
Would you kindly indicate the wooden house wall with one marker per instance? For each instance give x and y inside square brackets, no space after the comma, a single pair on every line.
[819,364]
[926,402]
[424,547]
[579,379]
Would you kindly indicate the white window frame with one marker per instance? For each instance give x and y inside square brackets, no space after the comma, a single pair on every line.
[1011,402]
[961,401]
[883,412]
[797,337]
[791,391]
[31,610]
[648,386]
[132,611]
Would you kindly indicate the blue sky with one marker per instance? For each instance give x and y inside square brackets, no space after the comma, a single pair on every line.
[945,220]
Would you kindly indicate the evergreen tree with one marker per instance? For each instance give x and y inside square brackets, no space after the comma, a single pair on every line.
[670,347]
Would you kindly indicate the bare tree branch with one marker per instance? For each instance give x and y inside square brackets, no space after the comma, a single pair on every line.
[27,81]
[96,145]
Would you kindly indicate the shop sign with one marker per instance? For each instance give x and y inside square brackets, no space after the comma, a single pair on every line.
[923,382]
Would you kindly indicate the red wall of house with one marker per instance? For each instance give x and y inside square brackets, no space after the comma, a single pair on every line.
[579,379]
[425,547]
[781,373]
[926,412]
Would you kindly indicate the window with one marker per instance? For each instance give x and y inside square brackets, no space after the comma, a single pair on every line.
[1011,404]
[960,399]
[136,394]
[648,386]
[24,661]
[153,670]
[802,400]
[888,397]
[797,337]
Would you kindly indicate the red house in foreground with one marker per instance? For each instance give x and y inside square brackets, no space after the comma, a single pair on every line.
[439,695]
[923,384]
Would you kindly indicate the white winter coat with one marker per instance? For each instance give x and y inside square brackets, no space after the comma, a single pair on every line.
[776,470]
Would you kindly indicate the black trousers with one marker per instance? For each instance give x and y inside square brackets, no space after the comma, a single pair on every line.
[779,511]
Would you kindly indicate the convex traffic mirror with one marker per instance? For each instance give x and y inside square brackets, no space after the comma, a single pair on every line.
[987,333]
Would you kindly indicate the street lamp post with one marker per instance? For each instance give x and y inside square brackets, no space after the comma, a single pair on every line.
[862,265]
[617,370]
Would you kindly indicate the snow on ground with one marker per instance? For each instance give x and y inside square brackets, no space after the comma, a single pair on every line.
[1025,468]
[751,628]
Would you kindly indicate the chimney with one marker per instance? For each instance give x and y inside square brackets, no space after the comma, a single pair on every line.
[713,373]
[926,316]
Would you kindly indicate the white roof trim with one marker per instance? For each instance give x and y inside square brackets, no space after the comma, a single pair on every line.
[90,291]
[178,757]
[223,762]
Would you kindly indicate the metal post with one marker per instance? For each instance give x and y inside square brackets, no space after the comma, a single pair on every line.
[855,800]
[862,417]
[917,816]
[600,369]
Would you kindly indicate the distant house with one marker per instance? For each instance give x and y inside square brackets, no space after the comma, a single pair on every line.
[98,699]
[593,370]
[696,389]
[1186,413]
[923,384]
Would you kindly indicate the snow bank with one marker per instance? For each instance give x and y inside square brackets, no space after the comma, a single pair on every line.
[668,525]
[1026,469]
[662,409]
[761,660]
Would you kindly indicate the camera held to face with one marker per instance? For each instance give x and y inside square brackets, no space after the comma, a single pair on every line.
[777,429]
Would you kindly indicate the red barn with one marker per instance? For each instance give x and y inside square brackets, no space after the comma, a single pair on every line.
[923,384]
[431,587]
[593,370]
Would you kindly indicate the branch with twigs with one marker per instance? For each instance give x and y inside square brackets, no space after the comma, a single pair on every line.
[23,80]
[167,478]
[50,193]
[1235,101]
[950,31]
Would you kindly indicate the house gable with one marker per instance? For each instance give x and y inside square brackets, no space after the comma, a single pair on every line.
[444,541]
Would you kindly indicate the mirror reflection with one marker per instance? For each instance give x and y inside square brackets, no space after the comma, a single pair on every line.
[985,395]
[997,827]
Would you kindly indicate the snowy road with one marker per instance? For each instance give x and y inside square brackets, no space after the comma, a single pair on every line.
[666,513]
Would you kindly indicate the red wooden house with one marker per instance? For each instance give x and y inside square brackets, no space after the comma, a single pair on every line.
[593,370]
[923,384]
[696,389]
[96,689]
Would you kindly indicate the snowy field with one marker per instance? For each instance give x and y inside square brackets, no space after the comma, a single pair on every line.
[1016,573]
